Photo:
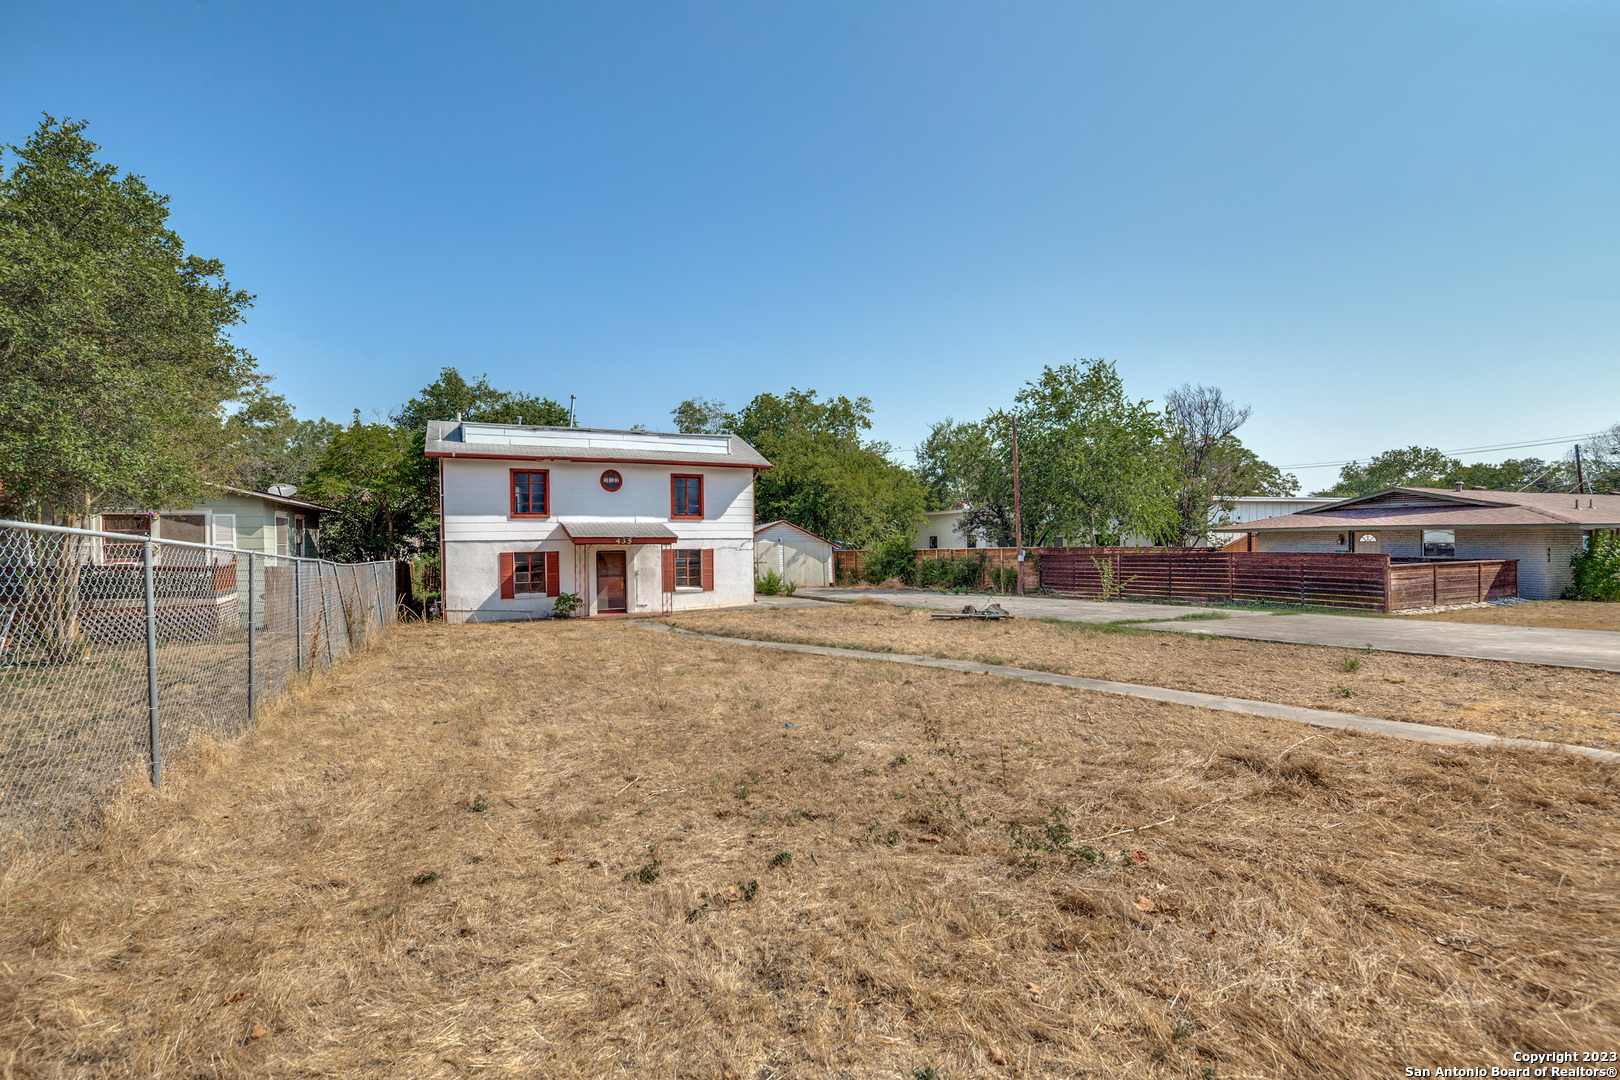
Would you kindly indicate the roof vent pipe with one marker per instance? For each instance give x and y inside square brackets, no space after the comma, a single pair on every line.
[1458,485]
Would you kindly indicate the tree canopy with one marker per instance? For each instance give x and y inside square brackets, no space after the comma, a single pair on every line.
[1094,465]
[115,361]
[266,444]
[826,476]
[451,396]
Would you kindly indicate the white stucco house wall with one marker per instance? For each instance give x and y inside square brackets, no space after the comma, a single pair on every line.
[631,522]
[943,529]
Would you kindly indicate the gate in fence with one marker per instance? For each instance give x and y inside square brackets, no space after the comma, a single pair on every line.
[117,649]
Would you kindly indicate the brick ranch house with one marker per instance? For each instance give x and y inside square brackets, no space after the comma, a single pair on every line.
[631,522]
[1542,530]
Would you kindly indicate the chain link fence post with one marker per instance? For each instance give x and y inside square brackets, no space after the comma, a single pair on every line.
[298,614]
[155,744]
[251,642]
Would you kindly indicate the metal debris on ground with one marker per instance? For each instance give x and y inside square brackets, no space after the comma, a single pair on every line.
[989,611]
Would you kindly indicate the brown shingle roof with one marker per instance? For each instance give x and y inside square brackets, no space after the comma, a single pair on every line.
[1446,508]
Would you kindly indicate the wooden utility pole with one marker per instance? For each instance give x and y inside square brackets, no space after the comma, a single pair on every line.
[1018,518]
[1580,477]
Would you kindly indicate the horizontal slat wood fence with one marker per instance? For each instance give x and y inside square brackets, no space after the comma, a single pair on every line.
[1355,581]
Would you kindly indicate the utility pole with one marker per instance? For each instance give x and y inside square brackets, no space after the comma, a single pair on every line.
[1018,517]
[1580,477]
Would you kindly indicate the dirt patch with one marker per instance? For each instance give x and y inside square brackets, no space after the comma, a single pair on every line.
[1519,700]
[579,850]
[1562,614]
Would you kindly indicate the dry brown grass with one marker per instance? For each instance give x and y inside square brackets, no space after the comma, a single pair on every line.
[1519,700]
[1302,904]
[1562,614]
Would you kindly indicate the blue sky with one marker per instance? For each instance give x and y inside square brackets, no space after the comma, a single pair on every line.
[1377,224]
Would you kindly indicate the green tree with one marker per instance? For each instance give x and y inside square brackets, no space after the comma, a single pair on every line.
[1094,465]
[1415,466]
[115,362]
[701,415]
[267,444]
[451,396]
[949,459]
[369,476]
[1243,473]
[827,477]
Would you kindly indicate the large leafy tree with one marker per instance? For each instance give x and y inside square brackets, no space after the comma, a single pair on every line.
[369,476]
[827,476]
[267,444]
[451,396]
[115,358]
[702,415]
[1095,465]
[1413,466]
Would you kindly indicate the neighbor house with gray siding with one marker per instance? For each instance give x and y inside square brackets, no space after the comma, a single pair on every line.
[1542,530]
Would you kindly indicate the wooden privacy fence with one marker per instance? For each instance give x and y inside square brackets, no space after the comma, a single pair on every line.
[1357,581]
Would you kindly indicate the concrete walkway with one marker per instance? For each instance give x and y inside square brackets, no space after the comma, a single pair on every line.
[1596,650]
[1324,718]
[1027,607]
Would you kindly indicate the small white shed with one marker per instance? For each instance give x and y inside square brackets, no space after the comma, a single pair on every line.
[797,555]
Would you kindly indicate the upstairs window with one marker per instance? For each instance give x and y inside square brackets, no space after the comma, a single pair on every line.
[686,497]
[531,495]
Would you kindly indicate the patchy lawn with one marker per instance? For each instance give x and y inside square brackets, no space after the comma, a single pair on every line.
[581,850]
[1563,614]
[1521,700]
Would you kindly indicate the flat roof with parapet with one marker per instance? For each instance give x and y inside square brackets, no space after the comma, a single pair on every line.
[467,439]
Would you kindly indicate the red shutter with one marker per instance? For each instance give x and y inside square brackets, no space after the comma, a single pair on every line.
[553,574]
[708,569]
[669,569]
[508,586]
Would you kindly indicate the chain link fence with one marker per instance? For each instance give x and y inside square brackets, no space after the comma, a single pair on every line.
[115,650]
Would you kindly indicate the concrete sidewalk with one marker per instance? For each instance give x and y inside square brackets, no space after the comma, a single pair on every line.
[1596,650]
[1027,607]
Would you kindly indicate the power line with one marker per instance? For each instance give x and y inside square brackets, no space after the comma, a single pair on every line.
[1461,450]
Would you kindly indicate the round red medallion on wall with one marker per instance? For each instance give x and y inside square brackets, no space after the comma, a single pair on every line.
[611,480]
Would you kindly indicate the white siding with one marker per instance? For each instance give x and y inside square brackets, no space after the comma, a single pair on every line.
[478,526]
[798,557]
[946,527]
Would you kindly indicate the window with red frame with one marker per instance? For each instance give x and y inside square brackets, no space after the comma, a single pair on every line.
[688,569]
[530,493]
[529,573]
[686,496]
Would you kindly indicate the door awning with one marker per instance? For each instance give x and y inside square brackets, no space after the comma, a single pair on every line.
[618,533]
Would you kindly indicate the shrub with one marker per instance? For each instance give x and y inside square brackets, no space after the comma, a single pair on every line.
[1004,580]
[769,585]
[894,558]
[1597,570]
[947,574]
[564,605]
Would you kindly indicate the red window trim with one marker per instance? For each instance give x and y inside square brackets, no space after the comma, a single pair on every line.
[603,481]
[701,496]
[511,489]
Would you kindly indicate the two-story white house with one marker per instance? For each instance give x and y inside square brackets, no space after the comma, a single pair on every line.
[631,522]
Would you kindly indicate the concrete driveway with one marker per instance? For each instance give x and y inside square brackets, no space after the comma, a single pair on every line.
[1597,650]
